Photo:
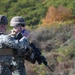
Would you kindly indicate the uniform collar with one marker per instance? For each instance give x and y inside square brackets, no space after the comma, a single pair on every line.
[23,31]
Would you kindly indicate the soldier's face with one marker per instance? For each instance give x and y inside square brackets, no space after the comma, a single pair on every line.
[3,28]
[17,29]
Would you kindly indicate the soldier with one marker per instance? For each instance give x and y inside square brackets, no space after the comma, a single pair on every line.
[7,45]
[3,24]
[33,53]
[18,25]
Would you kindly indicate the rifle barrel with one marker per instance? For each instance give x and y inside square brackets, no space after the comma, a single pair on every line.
[50,68]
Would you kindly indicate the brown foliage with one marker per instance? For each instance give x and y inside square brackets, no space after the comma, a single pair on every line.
[29,68]
[66,65]
[57,14]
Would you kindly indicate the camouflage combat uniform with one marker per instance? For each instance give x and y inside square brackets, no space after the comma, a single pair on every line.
[18,21]
[7,42]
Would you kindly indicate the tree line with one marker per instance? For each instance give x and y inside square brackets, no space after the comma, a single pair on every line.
[32,10]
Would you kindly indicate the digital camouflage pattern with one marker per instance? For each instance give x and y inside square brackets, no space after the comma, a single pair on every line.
[6,42]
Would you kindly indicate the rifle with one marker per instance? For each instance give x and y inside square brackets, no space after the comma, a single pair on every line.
[39,57]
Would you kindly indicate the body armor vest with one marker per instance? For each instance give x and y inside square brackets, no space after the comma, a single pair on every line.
[5,50]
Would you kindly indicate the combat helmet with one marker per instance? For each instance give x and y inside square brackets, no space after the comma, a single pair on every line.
[16,21]
[3,20]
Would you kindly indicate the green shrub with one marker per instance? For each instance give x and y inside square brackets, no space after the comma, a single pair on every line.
[51,37]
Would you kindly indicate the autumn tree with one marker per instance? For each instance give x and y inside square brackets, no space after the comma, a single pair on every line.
[63,13]
[56,14]
[50,16]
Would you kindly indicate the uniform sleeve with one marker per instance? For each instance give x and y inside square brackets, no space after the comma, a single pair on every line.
[11,42]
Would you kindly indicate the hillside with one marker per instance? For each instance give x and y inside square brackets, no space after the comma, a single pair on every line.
[56,3]
[32,10]
[56,40]
[57,43]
